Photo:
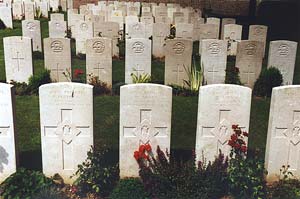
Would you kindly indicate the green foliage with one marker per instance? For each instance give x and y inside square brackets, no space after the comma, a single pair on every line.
[2,25]
[285,189]
[182,91]
[24,184]
[164,177]
[232,75]
[94,176]
[49,193]
[140,78]
[129,188]
[100,88]
[38,13]
[269,78]
[195,78]
[37,80]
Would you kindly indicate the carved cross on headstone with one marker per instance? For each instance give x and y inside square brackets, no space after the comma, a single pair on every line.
[18,59]
[178,70]
[212,72]
[145,131]
[4,130]
[249,72]
[66,132]
[99,70]
[292,134]
[57,70]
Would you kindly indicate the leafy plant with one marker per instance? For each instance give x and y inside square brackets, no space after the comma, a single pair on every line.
[284,189]
[195,77]
[129,188]
[78,76]
[38,13]
[246,175]
[232,75]
[94,176]
[100,88]
[36,80]
[268,79]
[49,193]
[24,184]
[140,78]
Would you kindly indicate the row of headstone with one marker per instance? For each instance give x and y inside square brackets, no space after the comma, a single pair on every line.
[145,118]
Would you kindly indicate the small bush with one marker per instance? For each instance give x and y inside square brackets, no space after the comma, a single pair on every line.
[268,79]
[24,184]
[232,75]
[129,188]
[285,189]
[37,80]
[20,88]
[140,78]
[100,88]
[96,177]
[2,25]
[182,91]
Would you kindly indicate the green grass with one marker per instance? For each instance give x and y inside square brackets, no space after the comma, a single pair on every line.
[106,109]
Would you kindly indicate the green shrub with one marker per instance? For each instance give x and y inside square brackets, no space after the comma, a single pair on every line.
[96,175]
[285,189]
[164,177]
[24,184]
[2,25]
[100,88]
[49,193]
[140,78]
[20,88]
[37,80]
[129,188]
[268,79]
[232,75]
[182,91]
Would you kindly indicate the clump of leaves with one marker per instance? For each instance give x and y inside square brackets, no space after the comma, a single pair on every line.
[140,78]
[36,80]
[38,13]
[100,88]
[195,77]
[232,75]
[96,175]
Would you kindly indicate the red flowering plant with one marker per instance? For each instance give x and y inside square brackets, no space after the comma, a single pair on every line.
[78,75]
[143,154]
[237,142]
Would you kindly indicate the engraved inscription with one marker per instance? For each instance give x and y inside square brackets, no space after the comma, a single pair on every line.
[57,46]
[283,50]
[214,48]
[179,48]
[250,49]
[84,26]
[138,47]
[258,30]
[98,46]
[31,26]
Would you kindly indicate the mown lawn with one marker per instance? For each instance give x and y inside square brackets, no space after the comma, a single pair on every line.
[106,111]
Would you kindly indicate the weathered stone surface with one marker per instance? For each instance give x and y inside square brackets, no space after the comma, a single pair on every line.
[160,32]
[137,58]
[32,29]
[283,133]
[57,17]
[57,52]
[29,10]
[216,21]
[258,33]
[214,60]
[226,21]
[57,29]
[184,30]
[197,28]
[178,59]
[18,58]
[136,30]
[232,34]
[7,131]
[145,117]
[6,16]
[207,31]
[249,61]
[17,9]
[99,59]
[282,55]
[220,106]
[66,115]
[84,30]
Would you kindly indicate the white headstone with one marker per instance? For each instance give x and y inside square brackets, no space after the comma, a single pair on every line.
[160,32]
[233,34]
[17,8]
[220,106]
[57,29]
[145,118]
[259,33]
[148,21]
[18,58]
[184,31]
[57,17]
[66,114]
[197,28]
[282,55]
[7,131]
[129,20]
[226,21]
[214,60]
[32,29]
[207,31]
[136,30]
[283,139]
[6,16]
[178,59]
[99,59]
[29,10]
[44,8]
[57,53]
[137,58]
[249,61]
[84,30]
[213,20]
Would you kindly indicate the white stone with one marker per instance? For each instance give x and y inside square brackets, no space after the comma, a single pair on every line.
[84,30]
[66,115]
[136,30]
[282,55]
[99,59]
[129,20]
[207,31]
[197,28]
[160,32]
[282,147]
[258,33]
[213,20]
[29,10]
[18,58]
[57,17]
[145,118]
[32,29]
[137,58]
[57,53]
[57,29]
[54,4]
[44,8]
[17,8]
[226,21]
[184,31]
[214,60]
[249,61]
[233,34]
[6,16]
[7,131]
[148,21]
[74,19]
[220,106]
[178,59]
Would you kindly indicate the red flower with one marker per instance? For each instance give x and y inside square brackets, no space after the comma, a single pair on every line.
[244,149]
[230,143]
[234,137]
[234,126]
[148,147]
[245,134]
[78,72]
[237,146]
[142,148]
[136,155]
